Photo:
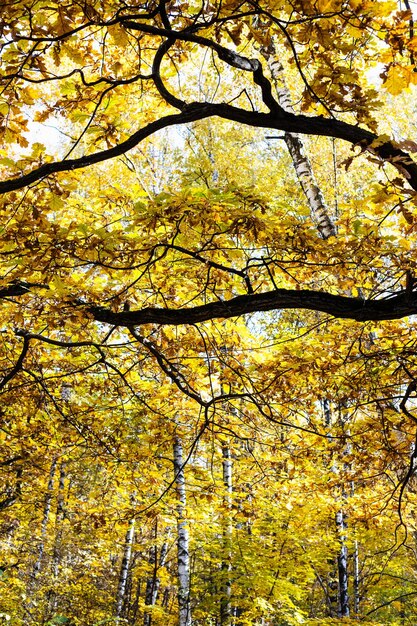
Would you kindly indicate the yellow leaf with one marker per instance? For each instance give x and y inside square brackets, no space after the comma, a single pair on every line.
[398,78]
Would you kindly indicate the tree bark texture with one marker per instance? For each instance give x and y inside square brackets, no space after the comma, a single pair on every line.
[342,566]
[124,569]
[301,162]
[274,120]
[399,305]
[343,307]
[183,554]
[356,598]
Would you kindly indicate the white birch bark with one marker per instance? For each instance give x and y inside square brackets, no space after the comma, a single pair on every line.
[356,579]
[342,565]
[124,569]
[183,554]
[319,211]
[326,227]
[343,601]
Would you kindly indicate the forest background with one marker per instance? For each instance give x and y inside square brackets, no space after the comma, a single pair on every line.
[208,299]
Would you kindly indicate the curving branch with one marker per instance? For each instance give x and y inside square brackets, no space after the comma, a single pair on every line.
[169,368]
[388,602]
[18,365]
[277,118]
[225,54]
[200,110]
[344,307]
[400,305]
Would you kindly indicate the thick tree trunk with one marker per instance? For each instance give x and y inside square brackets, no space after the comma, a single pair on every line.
[183,555]
[302,165]
[124,569]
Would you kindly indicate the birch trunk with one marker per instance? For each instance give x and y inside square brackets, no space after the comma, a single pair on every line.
[124,569]
[326,227]
[183,554]
[356,579]
[226,592]
[302,165]
[342,585]
[342,566]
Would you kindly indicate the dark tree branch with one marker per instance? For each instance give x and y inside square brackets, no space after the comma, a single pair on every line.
[343,307]
[226,55]
[168,368]
[18,457]
[398,306]
[277,118]
[199,110]
[6,502]
[18,365]
[18,288]
[71,164]
[381,606]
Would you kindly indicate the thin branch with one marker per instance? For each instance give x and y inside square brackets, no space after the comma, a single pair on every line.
[381,606]
[18,365]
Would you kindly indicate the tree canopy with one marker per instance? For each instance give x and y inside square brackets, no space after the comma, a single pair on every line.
[208,287]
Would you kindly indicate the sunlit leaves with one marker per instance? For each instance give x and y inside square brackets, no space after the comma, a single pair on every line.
[187,218]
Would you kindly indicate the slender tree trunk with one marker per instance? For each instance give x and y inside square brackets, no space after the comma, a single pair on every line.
[183,554]
[45,518]
[57,551]
[342,566]
[320,214]
[302,165]
[60,512]
[342,585]
[327,413]
[332,591]
[226,592]
[326,228]
[153,582]
[356,579]
[124,569]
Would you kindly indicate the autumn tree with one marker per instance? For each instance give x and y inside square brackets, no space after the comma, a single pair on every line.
[209,307]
